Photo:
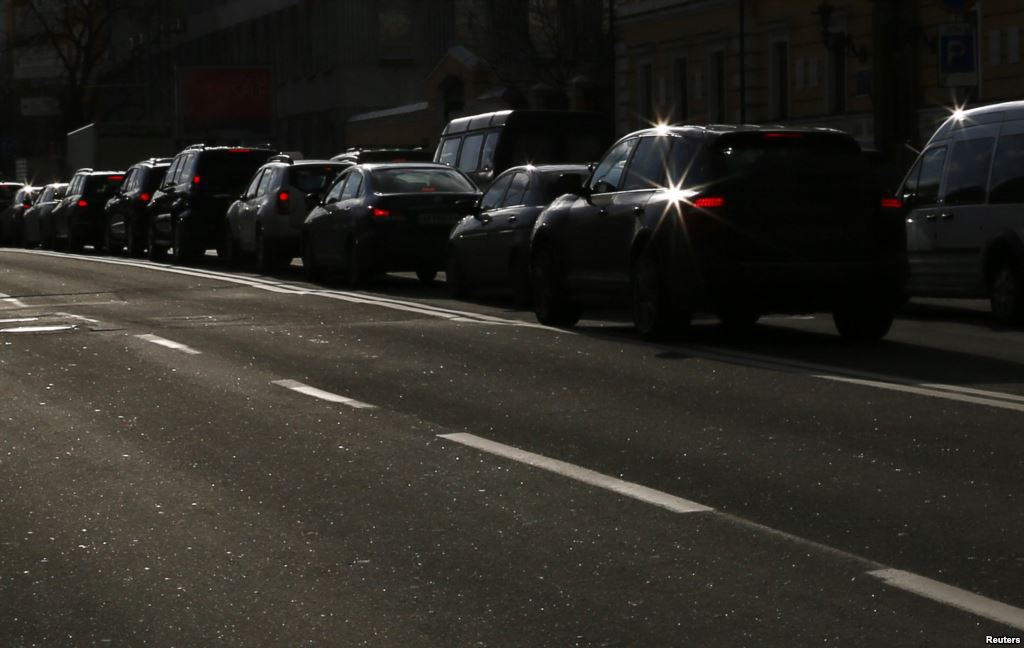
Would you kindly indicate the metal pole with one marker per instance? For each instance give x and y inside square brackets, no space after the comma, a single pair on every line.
[743,62]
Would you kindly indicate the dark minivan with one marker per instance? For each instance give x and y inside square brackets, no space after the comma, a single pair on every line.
[739,221]
[482,146]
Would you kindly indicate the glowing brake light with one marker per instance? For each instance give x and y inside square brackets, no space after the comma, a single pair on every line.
[892,203]
[196,180]
[709,202]
[115,178]
[783,135]
[377,212]
[283,196]
[144,197]
[83,203]
[429,189]
[241,150]
[26,204]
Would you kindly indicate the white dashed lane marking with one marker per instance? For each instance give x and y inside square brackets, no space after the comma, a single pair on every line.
[170,344]
[925,587]
[303,388]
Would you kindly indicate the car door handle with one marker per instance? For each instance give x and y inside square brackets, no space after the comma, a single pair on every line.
[947,216]
[602,212]
[513,219]
[930,217]
[638,210]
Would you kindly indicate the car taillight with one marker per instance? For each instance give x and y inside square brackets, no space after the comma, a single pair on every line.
[144,197]
[26,205]
[283,197]
[709,202]
[783,135]
[284,201]
[83,203]
[377,212]
[196,180]
[240,150]
[892,203]
[115,178]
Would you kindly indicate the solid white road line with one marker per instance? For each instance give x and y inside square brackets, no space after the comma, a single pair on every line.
[921,391]
[585,475]
[170,344]
[38,329]
[18,320]
[13,301]
[952,596]
[303,388]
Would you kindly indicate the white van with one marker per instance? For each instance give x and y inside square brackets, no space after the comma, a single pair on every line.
[965,202]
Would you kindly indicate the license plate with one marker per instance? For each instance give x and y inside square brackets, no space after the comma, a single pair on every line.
[439,219]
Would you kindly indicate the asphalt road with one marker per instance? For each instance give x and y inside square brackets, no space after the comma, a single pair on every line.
[191,457]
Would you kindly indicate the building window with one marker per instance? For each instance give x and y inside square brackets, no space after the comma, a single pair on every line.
[680,89]
[716,87]
[837,74]
[780,80]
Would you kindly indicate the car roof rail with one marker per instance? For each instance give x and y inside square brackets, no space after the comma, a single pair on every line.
[281,157]
[192,147]
[84,170]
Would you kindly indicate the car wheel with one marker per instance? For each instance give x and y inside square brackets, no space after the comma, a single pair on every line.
[864,320]
[653,315]
[74,242]
[738,319]
[181,253]
[426,275]
[551,304]
[154,252]
[309,264]
[232,253]
[455,276]
[133,242]
[519,276]
[1006,294]
[355,274]
[266,259]
[108,242]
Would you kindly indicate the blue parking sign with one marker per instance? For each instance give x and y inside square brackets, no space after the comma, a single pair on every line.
[958,56]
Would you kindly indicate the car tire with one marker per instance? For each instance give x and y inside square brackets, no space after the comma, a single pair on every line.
[309,265]
[266,255]
[181,253]
[519,279]
[108,243]
[1006,294]
[134,245]
[865,319]
[426,275]
[232,252]
[737,319]
[355,274]
[653,314]
[551,304]
[455,276]
[154,251]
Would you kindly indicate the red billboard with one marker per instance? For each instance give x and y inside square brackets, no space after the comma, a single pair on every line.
[225,98]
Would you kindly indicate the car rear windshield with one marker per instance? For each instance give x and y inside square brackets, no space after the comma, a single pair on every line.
[556,183]
[153,178]
[794,156]
[314,179]
[229,170]
[402,181]
[96,185]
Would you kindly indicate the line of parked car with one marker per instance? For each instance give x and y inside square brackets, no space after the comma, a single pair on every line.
[739,221]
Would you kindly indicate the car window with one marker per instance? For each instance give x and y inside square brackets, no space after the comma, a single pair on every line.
[687,164]
[129,179]
[967,174]
[496,192]
[449,151]
[647,169]
[353,186]
[60,192]
[250,191]
[413,180]
[609,172]
[555,184]
[172,174]
[517,191]
[487,155]
[312,179]
[932,163]
[335,193]
[1008,170]
[47,195]
[469,159]
[189,169]
[264,185]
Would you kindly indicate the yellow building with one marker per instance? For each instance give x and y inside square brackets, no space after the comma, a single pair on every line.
[884,71]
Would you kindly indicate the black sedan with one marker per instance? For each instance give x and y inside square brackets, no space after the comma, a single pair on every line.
[491,248]
[378,218]
[38,219]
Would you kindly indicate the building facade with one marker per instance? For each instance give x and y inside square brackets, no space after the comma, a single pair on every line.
[886,72]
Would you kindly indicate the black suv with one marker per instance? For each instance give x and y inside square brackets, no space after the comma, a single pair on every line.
[187,212]
[79,218]
[126,211]
[739,221]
